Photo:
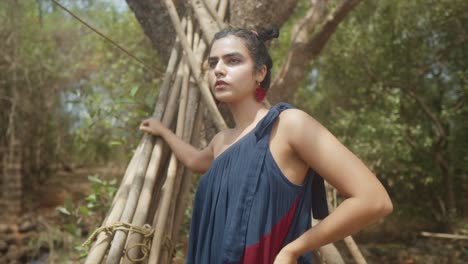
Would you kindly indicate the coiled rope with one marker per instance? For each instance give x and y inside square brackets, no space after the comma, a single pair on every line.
[146,231]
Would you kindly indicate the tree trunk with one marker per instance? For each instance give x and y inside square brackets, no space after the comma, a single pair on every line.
[11,199]
[441,161]
[156,23]
[441,158]
[254,14]
[12,160]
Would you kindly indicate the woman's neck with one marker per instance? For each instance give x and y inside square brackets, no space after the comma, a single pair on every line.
[246,113]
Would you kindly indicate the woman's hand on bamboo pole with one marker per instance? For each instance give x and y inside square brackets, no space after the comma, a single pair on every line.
[194,159]
[152,126]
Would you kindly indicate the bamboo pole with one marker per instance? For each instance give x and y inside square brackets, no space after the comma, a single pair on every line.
[166,252]
[444,235]
[119,238]
[354,250]
[160,106]
[214,14]
[195,67]
[329,254]
[168,187]
[141,213]
[180,127]
[223,5]
[156,197]
[118,242]
[179,192]
[171,117]
[158,238]
[153,209]
[97,252]
[145,197]
[178,205]
[184,179]
[126,179]
[206,19]
[182,184]
[187,179]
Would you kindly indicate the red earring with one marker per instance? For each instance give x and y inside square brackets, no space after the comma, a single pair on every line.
[260,93]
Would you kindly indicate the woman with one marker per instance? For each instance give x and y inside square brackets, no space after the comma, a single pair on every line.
[253,204]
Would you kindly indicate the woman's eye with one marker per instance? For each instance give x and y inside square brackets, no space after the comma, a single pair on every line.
[212,64]
[234,61]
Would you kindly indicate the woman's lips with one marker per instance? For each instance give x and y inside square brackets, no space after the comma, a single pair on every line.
[219,85]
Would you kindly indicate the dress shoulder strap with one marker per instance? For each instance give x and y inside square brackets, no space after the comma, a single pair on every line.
[264,126]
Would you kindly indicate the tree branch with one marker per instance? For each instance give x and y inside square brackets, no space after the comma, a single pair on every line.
[440,131]
[6,98]
[305,47]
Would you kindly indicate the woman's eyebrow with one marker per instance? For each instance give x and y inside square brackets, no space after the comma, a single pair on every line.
[232,54]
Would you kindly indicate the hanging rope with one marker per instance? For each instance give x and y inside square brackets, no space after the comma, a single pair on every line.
[146,231]
[148,68]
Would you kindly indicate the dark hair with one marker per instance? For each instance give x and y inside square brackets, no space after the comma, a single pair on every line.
[255,43]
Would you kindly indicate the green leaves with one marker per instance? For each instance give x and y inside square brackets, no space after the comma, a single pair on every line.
[134,90]
[113,92]
[388,83]
[78,215]
[63,210]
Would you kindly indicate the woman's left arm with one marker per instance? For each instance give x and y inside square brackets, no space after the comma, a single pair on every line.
[366,199]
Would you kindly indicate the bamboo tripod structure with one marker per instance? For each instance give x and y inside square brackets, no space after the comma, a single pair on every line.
[155,186]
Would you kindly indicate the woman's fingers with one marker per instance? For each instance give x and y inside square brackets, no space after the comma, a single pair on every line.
[145,122]
[149,125]
[144,126]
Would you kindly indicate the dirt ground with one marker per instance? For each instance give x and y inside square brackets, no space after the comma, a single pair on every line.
[420,250]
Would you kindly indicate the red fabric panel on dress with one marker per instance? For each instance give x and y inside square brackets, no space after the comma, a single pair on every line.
[269,245]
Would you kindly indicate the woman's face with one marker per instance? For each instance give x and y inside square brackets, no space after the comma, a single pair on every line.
[232,71]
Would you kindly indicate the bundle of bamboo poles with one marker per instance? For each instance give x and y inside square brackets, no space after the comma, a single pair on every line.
[154,187]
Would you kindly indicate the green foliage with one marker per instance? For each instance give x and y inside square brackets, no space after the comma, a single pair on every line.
[94,204]
[116,92]
[80,219]
[75,222]
[391,84]
[70,94]
[31,83]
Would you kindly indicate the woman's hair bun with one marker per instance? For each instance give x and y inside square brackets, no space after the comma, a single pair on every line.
[268,33]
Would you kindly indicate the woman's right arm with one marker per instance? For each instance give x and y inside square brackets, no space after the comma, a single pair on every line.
[194,159]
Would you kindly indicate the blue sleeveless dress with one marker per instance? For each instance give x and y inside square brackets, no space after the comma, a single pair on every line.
[245,210]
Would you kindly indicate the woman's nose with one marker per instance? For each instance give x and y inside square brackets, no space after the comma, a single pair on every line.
[220,70]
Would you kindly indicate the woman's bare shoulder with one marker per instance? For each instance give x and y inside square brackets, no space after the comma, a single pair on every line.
[219,137]
[295,119]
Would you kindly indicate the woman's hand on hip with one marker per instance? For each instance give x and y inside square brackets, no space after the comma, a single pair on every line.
[285,257]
